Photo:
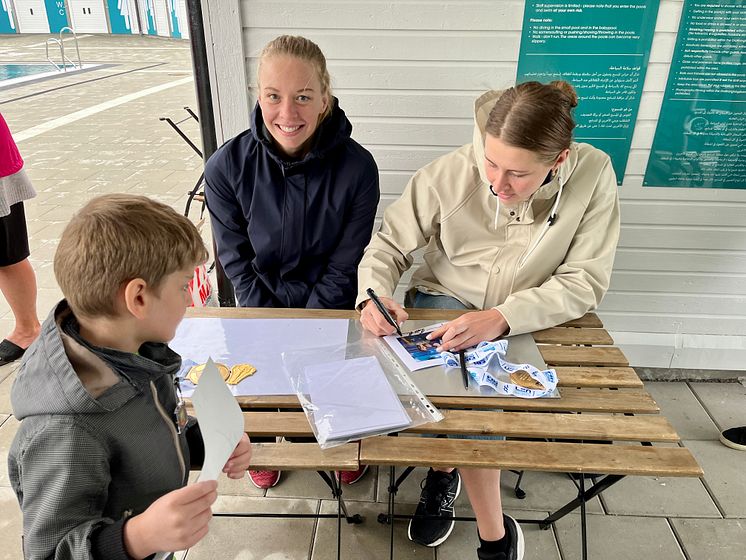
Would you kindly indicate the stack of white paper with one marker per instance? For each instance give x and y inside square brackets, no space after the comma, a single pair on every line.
[353,399]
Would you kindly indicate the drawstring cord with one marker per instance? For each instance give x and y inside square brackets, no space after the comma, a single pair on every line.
[497,207]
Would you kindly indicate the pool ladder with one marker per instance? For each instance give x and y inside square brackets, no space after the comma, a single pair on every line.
[65,59]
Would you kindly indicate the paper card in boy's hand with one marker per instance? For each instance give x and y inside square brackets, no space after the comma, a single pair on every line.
[220,420]
[415,350]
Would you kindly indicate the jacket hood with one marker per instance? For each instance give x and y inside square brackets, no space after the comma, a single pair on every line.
[332,131]
[482,107]
[63,374]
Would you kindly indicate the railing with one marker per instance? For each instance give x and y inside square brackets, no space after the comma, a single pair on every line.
[59,42]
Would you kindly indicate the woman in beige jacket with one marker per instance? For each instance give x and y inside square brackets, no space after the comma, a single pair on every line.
[521,226]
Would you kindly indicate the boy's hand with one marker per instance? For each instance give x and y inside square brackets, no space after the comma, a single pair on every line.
[373,321]
[175,521]
[238,462]
[470,329]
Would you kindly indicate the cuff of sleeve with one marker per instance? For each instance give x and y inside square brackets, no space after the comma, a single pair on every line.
[108,542]
[506,316]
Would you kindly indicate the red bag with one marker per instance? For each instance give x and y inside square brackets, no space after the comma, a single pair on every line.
[200,287]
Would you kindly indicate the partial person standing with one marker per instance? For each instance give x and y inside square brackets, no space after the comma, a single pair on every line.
[17,278]
[293,199]
[520,226]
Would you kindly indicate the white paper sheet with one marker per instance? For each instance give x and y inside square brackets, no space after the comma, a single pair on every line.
[259,342]
[353,398]
[414,350]
[220,420]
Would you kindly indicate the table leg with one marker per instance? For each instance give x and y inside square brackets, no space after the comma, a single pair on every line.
[583,527]
[389,516]
[336,488]
[392,494]
[592,492]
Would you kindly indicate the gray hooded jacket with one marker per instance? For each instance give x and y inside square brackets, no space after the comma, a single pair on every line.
[97,442]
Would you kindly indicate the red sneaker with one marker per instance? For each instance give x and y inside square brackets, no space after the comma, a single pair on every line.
[351,477]
[264,479]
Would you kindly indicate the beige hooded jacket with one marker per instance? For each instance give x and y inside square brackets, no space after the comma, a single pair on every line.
[489,255]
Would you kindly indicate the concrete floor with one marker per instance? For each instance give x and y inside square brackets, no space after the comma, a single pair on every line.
[97,132]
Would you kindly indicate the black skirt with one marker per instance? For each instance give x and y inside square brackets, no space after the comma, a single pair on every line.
[13,236]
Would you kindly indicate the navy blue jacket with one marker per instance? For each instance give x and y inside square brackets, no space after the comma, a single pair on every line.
[292,233]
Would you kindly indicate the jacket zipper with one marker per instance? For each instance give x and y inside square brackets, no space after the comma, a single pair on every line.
[171,427]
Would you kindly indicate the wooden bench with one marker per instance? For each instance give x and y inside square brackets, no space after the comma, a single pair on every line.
[601,399]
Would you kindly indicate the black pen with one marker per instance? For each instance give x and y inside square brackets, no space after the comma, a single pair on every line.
[464,373]
[385,312]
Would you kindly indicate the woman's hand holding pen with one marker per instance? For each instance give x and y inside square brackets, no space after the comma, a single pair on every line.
[470,329]
[374,321]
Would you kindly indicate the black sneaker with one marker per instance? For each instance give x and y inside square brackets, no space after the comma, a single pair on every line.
[515,544]
[439,491]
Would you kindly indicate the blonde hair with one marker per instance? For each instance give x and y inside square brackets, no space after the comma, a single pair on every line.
[306,50]
[536,117]
[116,238]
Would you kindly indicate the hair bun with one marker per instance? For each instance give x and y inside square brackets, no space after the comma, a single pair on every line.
[568,90]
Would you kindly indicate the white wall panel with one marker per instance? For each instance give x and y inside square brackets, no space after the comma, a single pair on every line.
[183,19]
[418,45]
[417,74]
[161,18]
[407,74]
[133,17]
[32,16]
[450,16]
[88,16]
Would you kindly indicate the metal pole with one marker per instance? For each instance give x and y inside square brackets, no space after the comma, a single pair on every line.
[206,122]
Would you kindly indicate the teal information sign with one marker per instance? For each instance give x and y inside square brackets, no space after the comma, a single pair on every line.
[602,49]
[56,15]
[700,140]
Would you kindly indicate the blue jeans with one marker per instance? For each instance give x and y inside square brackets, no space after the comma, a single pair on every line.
[427,301]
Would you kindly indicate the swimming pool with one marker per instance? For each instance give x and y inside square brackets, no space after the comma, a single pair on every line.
[15,73]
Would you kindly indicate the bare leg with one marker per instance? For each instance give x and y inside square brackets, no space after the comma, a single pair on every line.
[483,489]
[18,284]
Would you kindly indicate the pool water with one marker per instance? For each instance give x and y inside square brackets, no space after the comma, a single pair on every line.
[11,71]
[16,73]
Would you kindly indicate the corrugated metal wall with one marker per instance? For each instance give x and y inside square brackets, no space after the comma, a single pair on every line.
[407,72]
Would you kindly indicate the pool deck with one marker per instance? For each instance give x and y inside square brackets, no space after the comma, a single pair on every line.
[98,132]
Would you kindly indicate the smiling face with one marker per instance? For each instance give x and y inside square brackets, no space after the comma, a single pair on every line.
[515,173]
[292,102]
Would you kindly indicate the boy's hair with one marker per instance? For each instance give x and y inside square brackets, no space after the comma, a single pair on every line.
[116,238]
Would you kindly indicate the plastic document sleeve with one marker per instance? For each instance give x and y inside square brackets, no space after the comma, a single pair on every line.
[353,398]
[348,394]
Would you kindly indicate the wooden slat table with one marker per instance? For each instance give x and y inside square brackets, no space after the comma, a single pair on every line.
[601,399]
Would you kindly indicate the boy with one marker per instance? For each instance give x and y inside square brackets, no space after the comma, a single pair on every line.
[100,462]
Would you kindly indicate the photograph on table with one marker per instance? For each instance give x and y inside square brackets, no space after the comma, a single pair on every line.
[415,350]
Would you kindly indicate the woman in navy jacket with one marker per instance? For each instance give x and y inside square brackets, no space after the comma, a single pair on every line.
[293,199]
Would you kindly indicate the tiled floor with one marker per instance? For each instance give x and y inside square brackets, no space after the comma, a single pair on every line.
[124,147]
